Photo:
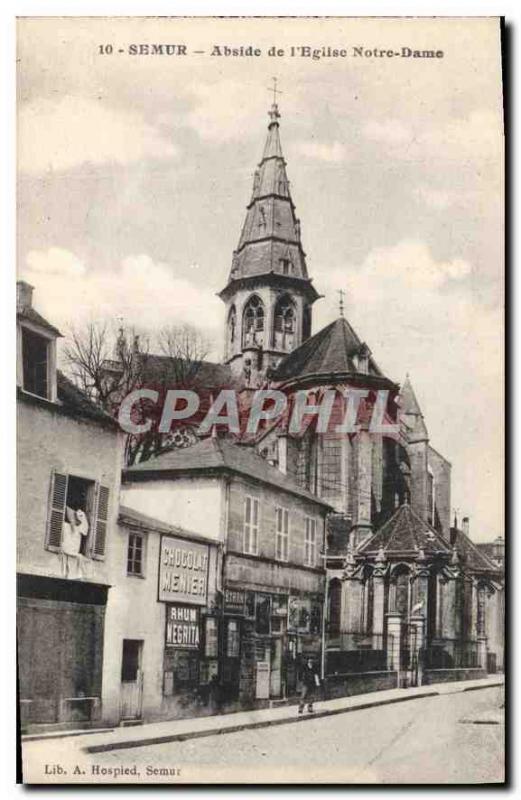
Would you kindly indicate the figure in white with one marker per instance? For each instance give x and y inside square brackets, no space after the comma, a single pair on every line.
[75,529]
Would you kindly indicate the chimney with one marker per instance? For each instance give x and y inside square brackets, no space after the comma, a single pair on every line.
[24,295]
[465,526]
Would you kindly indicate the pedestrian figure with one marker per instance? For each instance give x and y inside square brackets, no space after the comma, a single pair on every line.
[310,682]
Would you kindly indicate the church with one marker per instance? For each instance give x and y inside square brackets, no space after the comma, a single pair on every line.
[407,589]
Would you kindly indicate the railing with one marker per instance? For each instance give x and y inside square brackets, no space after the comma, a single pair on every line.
[355,652]
[451,654]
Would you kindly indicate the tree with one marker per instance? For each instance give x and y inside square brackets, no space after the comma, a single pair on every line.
[107,368]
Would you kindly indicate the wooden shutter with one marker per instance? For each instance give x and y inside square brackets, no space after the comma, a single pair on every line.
[99,539]
[247,524]
[57,500]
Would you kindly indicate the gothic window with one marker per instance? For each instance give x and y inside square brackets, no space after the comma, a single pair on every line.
[430,497]
[285,265]
[253,321]
[284,323]
[232,324]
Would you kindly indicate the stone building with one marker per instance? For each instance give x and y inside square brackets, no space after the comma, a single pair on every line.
[271,577]
[69,468]
[396,568]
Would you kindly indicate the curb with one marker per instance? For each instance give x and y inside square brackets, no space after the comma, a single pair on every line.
[181,737]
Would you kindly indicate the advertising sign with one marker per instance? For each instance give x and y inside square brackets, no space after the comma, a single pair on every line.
[182,627]
[183,571]
[234,600]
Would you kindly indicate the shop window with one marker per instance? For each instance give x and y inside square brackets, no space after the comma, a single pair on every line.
[211,643]
[232,638]
[262,614]
[35,358]
[135,554]
[310,544]
[282,541]
[251,524]
[78,516]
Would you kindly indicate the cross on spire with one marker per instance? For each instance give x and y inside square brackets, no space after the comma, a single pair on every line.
[274,111]
[341,295]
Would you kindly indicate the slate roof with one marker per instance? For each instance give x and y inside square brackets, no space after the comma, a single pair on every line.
[221,455]
[29,314]
[330,351]
[470,555]
[405,533]
[271,230]
[128,516]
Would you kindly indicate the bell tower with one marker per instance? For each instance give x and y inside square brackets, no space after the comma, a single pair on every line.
[269,295]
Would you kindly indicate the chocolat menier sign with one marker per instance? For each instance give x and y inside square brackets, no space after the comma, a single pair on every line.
[183,571]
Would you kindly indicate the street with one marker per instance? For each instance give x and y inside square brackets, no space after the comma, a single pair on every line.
[455,738]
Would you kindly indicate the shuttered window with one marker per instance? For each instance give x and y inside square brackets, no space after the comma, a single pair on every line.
[68,494]
[58,500]
[251,524]
[100,532]
[310,544]
[282,543]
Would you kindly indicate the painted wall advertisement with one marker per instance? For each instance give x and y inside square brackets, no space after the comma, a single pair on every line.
[183,571]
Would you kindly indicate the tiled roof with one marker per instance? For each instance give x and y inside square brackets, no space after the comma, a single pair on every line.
[330,351]
[29,314]
[206,374]
[136,519]
[218,453]
[405,533]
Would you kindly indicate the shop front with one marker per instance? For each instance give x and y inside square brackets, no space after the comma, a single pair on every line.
[191,636]
[268,634]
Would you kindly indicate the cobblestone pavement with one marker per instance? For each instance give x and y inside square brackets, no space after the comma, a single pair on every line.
[456,738]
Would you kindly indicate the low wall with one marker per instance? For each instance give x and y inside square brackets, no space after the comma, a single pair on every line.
[447,675]
[347,684]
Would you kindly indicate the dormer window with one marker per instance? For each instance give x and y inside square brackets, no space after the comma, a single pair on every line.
[35,358]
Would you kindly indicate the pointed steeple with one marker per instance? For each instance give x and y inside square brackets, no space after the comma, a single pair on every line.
[270,241]
[411,413]
[269,293]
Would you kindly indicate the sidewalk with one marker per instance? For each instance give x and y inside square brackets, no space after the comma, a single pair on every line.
[180,730]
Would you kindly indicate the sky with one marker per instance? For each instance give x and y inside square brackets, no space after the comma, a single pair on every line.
[134,173]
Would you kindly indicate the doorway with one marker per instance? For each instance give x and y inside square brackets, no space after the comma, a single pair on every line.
[131,679]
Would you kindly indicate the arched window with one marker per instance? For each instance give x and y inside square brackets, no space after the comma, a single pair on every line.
[232,324]
[284,323]
[400,588]
[253,321]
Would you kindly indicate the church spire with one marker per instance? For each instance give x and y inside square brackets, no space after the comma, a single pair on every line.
[270,262]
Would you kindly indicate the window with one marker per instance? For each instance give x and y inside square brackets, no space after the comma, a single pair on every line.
[232,639]
[253,321]
[78,516]
[310,543]
[135,554]
[285,264]
[232,322]
[251,525]
[35,359]
[282,543]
